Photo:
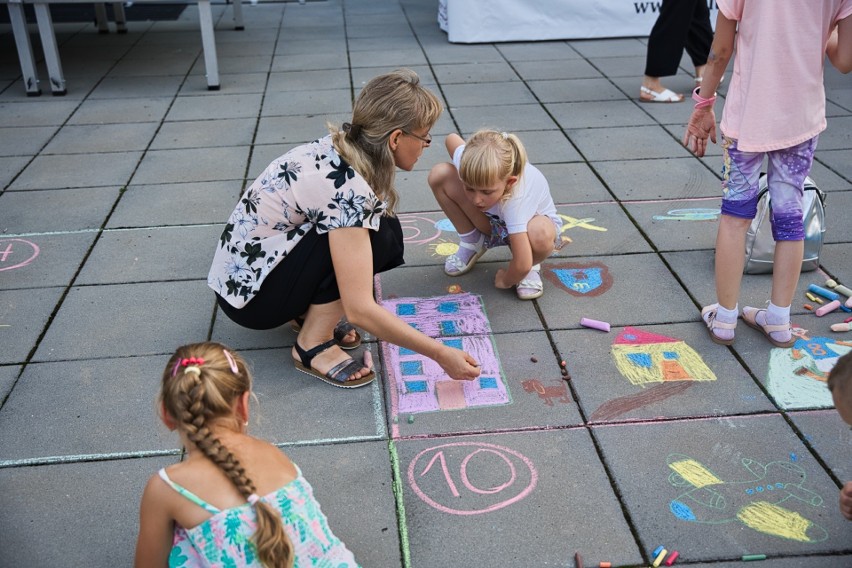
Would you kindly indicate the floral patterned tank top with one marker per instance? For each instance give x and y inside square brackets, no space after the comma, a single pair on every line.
[224,540]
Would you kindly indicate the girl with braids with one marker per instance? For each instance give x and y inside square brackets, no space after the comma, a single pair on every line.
[234,500]
[308,236]
[494,197]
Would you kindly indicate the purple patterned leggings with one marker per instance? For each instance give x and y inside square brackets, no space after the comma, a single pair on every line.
[786,175]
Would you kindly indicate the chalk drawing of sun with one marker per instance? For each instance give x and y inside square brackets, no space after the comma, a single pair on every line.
[443,247]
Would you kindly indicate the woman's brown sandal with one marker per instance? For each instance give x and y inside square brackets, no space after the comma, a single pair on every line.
[341,330]
[339,374]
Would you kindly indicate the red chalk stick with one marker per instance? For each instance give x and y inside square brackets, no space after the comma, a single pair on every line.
[672,557]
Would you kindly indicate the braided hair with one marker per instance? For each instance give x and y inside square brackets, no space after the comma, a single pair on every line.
[200,384]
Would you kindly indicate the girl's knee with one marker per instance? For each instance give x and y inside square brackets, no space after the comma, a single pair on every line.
[441,175]
[541,232]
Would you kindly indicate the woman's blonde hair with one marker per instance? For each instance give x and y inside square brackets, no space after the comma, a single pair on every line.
[490,157]
[388,102]
[201,383]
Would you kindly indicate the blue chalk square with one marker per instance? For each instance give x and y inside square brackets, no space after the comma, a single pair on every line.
[670,355]
[411,367]
[416,386]
[448,307]
[456,343]
[405,352]
[487,383]
[406,310]
[449,328]
[414,325]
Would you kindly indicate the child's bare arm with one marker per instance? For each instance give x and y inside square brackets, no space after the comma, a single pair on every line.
[155,527]
[521,263]
[839,48]
[846,500]
[452,142]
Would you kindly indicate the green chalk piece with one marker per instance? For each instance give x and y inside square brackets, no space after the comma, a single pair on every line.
[750,557]
[411,419]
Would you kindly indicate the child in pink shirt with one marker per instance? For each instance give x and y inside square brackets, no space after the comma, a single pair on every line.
[775,106]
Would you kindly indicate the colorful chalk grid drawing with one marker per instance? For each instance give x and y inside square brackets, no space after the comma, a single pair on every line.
[579,279]
[471,478]
[755,502]
[643,357]
[796,377]
[418,383]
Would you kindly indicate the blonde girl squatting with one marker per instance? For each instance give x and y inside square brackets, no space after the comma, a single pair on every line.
[493,196]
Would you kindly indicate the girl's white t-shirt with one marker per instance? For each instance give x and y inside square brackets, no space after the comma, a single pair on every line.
[531,197]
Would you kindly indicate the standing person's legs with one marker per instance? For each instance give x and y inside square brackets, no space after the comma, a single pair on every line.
[665,48]
[786,175]
[739,206]
[700,37]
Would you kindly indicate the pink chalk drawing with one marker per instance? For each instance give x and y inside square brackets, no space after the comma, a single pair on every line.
[511,477]
[417,383]
[7,250]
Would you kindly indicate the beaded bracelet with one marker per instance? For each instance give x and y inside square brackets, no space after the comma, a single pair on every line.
[701,102]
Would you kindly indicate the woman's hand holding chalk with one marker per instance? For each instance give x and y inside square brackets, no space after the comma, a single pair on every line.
[594,324]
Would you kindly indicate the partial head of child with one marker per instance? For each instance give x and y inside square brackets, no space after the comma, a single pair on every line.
[840,385]
[494,162]
[203,386]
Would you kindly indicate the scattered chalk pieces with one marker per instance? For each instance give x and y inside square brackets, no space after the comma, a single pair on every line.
[660,557]
[658,550]
[672,557]
[534,359]
[750,557]
[808,307]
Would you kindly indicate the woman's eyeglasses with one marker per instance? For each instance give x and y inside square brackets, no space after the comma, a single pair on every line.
[426,140]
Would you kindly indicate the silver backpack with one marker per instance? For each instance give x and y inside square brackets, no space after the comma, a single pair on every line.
[760,246]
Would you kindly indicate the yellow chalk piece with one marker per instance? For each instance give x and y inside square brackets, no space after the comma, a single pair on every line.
[694,473]
[774,520]
[660,557]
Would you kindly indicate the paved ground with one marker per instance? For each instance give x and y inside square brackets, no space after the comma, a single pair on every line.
[113,196]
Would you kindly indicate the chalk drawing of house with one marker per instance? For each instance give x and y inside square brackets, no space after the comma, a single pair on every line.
[644,357]
[419,384]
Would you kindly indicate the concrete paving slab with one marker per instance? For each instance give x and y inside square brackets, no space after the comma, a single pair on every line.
[230,52]
[597,114]
[524,365]
[830,438]
[11,167]
[288,131]
[77,170]
[598,229]
[227,332]
[259,63]
[23,212]
[304,62]
[511,118]
[154,205]
[479,94]
[364,519]
[575,90]
[92,138]
[504,310]
[231,83]
[361,75]
[549,146]
[155,254]
[574,183]
[308,80]
[330,101]
[827,176]
[290,47]
[562,69]
[837,230]
[217,106]
[43,260]
[378,58]
[58,496]
[622,47]
[137,65]
[628,143]
[54,410]
[836,259]
[816,561]
[590,287]
[148,109]
[537,51]
[678,225]
[21,141]
[496,483]
[135,87]
[705,488]
[127,319]
[838,161]
[484,72]
[29,114]
[836,136]
[382,43]
[208,133]
[621,379]
[191,165]
[25,314]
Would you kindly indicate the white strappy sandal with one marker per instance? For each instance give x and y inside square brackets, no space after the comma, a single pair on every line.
[454,266]
[531,287]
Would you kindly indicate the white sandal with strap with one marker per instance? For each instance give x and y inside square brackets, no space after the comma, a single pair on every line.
[454,266]
[531,287]
[646,95]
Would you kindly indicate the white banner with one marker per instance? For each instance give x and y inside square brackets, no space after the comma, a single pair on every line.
[487,21]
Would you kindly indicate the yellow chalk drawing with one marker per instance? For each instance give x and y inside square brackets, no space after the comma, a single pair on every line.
[694,473]
[771,519]
[755,502]
[443,247]
[571,222]
[643,357]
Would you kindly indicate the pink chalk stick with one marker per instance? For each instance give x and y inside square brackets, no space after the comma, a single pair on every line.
[594,324]
[828,308]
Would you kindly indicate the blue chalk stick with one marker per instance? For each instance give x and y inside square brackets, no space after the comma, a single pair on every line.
[657,551]
[825,293]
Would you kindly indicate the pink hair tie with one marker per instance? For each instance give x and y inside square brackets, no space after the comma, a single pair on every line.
[190,365]
[231,362]
[252,499]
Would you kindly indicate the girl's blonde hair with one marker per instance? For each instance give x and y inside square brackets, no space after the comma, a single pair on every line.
[201,383]
[388,102]
[490,157]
